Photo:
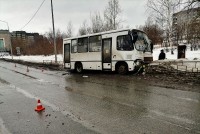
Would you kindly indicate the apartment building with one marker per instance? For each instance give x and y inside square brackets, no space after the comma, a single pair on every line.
[186,26]
[25,38]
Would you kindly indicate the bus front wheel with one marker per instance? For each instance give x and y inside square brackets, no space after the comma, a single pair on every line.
[122,69]
[79,68]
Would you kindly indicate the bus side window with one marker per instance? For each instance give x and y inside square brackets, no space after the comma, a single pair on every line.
[124,42]
[95,43]
[74,46]
[82,45]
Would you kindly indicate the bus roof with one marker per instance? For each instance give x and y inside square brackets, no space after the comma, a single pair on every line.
[101,33]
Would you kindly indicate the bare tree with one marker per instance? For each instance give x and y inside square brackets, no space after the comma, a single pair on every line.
[17,43]
[163,10]
[59,39]
[187,4]
[154,32]
[97,24]
[84,28]
[69,30]
[111,15]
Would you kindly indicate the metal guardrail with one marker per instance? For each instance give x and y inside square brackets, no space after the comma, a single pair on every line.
[47,62]
[52,62]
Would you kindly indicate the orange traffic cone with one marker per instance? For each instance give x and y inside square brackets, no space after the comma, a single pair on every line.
[27,69]
[39,107]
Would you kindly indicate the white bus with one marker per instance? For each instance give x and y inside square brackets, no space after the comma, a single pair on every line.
[118,50]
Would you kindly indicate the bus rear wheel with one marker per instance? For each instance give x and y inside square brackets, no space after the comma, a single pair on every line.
[78,68]
[122,69]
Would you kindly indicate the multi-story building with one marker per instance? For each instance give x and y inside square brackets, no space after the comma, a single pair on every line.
[186,26]
[5,42]
[20,36]
[25,38]
[22,41]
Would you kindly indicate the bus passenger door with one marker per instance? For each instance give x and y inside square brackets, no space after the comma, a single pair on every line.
[67,55]
[106,53]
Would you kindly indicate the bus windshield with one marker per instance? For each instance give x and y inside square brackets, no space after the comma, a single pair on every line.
[141,41]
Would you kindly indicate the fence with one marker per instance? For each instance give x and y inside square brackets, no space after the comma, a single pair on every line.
[52,62]
[174,66]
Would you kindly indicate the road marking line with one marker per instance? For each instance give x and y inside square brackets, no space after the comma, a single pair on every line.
[3,129]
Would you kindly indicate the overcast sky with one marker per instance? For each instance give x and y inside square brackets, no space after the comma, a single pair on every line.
[18,12]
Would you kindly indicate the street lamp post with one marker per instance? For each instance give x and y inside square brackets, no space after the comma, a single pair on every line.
[54,37]
[9,37]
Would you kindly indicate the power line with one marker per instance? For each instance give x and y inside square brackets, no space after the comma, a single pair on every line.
[33,15]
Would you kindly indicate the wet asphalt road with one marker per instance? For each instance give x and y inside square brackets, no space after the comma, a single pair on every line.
[91,103]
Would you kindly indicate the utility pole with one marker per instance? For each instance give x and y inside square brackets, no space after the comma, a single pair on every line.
[54,36]
[10,44]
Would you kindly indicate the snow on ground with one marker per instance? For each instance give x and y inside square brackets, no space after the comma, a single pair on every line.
[37,59]
[190,63]
[190,55]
